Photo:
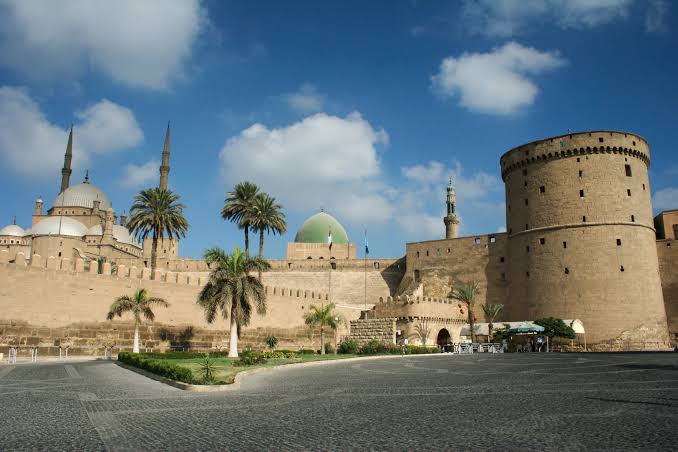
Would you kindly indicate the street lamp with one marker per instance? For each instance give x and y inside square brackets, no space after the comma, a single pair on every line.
[336,327]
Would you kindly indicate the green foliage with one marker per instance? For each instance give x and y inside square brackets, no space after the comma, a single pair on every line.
[173,355]
[138,304]
[376,347]
[207,369]
[250,359]
[502,333]
[271,341]
[306,351]
[421,350]
[556,328]
[491,311]
[279,354]
[238,208]
[348,347]
[329,348]
[162,368]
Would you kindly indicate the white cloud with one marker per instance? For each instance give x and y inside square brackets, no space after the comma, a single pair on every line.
[666,199]
[136,43]
[510,17]
[140,175]
[655,16]
[496,82]
[305,100]
[32,146]
[322,160]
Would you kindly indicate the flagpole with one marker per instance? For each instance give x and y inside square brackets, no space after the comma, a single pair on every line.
[365,271]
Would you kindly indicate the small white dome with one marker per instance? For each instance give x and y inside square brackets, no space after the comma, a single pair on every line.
[82,195]
[13,230]
[59,225]
[120,233]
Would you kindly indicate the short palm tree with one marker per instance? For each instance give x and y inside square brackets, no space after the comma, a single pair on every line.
[156,212]
[231,290]
[321,316]
[238,208]
[139,305]
[466,293]
[491,311]
[266,216]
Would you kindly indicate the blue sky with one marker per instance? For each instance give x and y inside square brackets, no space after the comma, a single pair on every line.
[361,108]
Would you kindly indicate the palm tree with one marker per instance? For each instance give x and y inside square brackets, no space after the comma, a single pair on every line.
[423,330]
[266,216]
[232,290]
[322,316]
[238,208]
[466,293]
[138,304]
[491,311]
[156,212]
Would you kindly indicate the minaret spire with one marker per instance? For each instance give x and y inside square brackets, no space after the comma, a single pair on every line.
[451,220]
[66,170]
[164,166]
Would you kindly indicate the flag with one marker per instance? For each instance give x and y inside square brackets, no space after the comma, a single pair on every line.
[367,246]
[329,240]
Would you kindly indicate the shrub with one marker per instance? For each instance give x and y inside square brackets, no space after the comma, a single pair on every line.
[306,351]
[278,354]
[173,355]
[349,346]
[164,369]
[250,359]
[329,348]
[376,347]
[271,341]
[207,368]
[421,350]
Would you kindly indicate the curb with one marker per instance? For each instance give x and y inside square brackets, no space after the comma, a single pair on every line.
[241,375]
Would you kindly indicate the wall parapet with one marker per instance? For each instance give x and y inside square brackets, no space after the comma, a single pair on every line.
[406,307]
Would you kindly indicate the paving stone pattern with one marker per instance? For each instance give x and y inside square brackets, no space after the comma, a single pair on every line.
[509,401]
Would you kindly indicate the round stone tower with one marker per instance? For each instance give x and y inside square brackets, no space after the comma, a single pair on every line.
[581,238]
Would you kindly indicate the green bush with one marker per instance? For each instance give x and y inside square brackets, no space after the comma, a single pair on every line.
[278,354]
[173,355]
[329,348]
[306,351]
[376,347]
[250,358]
[164,369]
[271,341]
[421,350]
[349,346]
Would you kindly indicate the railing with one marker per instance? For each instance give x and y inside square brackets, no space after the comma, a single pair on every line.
[470,348]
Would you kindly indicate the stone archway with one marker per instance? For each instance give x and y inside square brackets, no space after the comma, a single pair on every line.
[443,338]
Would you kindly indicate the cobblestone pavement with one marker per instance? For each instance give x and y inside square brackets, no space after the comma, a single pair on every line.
[507,401]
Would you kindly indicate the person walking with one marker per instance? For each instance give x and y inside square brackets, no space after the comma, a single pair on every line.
[540,343]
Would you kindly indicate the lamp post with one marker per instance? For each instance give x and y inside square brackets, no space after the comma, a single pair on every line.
[336,327]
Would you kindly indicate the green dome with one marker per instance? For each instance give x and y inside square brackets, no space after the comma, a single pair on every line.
[317,227]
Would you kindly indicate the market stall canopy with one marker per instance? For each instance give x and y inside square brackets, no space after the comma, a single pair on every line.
[482,328]
[526,328]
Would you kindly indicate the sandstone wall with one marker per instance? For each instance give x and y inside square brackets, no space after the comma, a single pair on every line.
[667,250]
[382,330]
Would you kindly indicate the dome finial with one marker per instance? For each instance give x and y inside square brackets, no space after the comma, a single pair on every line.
[14,221]
[86,177]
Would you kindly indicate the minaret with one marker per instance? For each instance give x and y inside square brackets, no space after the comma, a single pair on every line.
[451,220]
[66,170]
[164,166]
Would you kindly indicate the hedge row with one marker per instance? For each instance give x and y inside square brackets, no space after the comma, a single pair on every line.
[164,369]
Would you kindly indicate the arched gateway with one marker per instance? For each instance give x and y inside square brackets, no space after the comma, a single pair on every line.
[443,338]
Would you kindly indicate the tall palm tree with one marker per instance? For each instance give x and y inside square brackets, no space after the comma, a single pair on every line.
[238,208]
[232,290]
[321,316]
[491,311]
[266,216]
[138,304]
[156,212]
[466,293]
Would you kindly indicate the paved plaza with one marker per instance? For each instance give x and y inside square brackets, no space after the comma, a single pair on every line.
[507,401]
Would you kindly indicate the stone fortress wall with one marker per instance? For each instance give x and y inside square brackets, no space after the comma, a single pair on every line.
[667,251]
[52,302]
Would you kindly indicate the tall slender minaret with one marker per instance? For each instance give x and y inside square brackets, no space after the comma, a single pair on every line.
[164,166]
[451,220]
[66,170]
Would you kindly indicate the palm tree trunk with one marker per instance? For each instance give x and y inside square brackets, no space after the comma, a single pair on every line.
[233,343]
[154,253]
[247,241]
[261,248]
[322,339]
[489,332]
[135,347]
[471,323]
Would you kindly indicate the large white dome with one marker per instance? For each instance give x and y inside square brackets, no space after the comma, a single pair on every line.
[120,233]
[82,195]
[12,230]
[59,225]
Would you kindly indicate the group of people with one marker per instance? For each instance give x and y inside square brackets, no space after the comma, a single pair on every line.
[537,344]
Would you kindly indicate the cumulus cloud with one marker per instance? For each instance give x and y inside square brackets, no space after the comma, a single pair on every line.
[666,199]
[655,16]
[143,44]
[322,160]
[305,100]
[497,82]
[33,146]
[510,17]
[140,175]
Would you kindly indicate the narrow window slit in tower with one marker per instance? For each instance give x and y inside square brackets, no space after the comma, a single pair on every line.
[527,275]
[581,193]
[542,189]
[621,268]
[581,173]
[618,242]
[527,226]
[578,160]
[527,249]
[567,271]
[542,241]
[629,173]
[501,259]
[643,187]
[633,218]
[564,244]
[600,139]
[583,219]
[526,202]
[628,192]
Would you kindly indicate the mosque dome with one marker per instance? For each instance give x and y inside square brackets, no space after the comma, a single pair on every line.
[59,225]
[82,195]
[13,230]
[316,228]
[120,233]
